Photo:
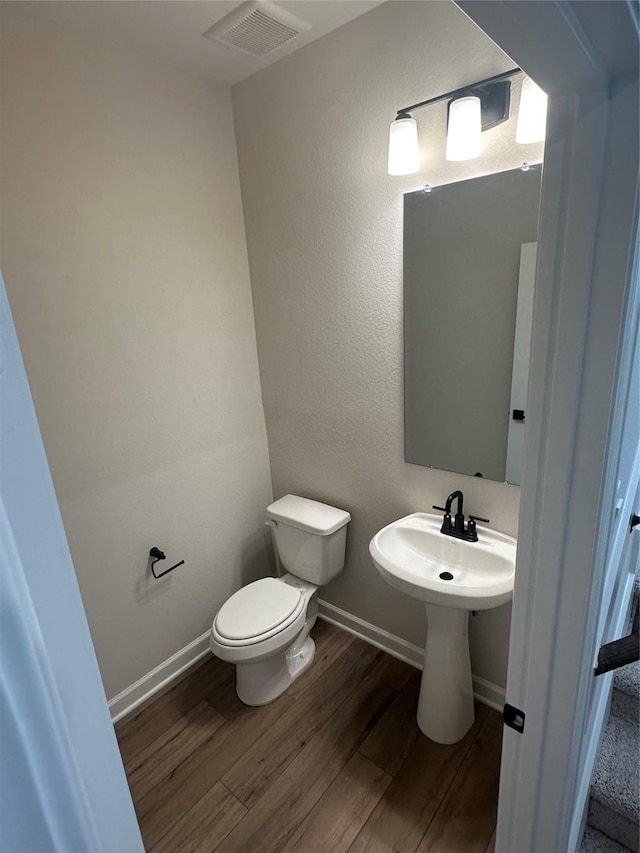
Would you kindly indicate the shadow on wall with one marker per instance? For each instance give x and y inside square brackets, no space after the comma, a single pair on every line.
[257,558]
[147,587]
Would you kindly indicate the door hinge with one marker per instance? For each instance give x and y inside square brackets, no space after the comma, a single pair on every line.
[514,718]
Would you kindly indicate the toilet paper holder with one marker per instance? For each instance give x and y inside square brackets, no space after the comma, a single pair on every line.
[158,555]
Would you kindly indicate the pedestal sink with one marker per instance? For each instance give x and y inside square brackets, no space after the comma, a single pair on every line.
[452,577]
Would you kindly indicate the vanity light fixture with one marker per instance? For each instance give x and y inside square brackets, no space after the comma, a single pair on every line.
[404,154]
[464,128]
[471,110]
[532,115]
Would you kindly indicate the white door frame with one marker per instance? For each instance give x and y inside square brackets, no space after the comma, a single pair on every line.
[588,228]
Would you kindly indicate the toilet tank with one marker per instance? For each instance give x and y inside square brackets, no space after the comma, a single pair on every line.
[310,537]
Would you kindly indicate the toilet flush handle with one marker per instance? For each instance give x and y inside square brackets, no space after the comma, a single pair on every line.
[271,523]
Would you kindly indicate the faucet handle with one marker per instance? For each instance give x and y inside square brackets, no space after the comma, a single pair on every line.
[471,526]
[446,521]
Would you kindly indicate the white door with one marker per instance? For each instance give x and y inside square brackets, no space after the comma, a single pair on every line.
[571,588]
[573,578]
[62,784]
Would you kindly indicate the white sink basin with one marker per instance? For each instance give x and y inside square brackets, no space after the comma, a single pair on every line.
[452,577]
[412,554]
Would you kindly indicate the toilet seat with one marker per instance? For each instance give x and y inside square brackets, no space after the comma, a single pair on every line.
[257,612]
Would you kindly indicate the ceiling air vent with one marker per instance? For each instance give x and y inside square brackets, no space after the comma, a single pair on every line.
[257,28]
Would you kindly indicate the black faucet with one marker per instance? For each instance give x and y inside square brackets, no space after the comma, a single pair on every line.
[457,528]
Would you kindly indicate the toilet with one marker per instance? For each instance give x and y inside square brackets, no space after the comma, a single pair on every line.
[264,627]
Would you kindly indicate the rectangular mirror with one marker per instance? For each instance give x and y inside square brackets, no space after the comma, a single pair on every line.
[469,264]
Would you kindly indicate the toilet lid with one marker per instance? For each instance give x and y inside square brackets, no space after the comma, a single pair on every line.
[259,608]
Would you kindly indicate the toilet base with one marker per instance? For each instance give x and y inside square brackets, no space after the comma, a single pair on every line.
[262,682]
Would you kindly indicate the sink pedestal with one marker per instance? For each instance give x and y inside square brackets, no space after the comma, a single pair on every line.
[453,577]
[445,707]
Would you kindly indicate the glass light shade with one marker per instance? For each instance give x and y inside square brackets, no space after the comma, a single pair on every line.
[404,153]
[464,141]
[532,115]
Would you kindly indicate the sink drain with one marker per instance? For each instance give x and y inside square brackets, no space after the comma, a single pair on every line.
[446,576]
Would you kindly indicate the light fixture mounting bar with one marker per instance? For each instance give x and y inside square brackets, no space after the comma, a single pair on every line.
[460,91]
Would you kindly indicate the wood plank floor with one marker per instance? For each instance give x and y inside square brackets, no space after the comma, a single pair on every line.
[335,765]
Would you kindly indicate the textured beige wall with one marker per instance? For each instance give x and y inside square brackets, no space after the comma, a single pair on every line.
[124,256]
[324,229]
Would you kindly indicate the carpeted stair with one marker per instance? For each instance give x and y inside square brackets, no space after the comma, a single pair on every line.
[596,842]
[614,805]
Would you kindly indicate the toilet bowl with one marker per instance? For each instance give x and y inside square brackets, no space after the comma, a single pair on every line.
[264,627]
[264,630]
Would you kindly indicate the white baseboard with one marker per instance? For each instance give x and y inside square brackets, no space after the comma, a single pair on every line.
[124,703]
[484,691]
[395,646]
[488,693]
[127,701]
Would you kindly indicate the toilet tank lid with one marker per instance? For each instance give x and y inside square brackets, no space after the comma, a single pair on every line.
[312,516]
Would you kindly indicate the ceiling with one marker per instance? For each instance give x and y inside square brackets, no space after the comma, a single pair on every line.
[174,29]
